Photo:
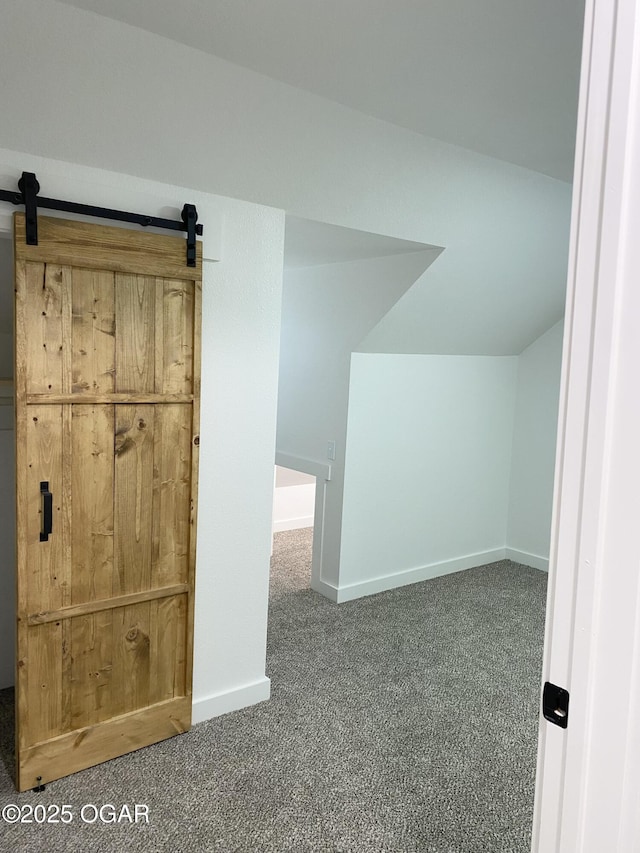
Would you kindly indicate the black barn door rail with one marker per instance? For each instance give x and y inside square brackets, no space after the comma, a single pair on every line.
[29,188]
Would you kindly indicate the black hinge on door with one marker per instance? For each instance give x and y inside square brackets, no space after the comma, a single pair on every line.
[555,704]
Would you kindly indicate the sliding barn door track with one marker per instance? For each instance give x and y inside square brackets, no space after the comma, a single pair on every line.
[29,188]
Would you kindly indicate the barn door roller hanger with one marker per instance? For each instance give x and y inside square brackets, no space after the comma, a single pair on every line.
[28,196]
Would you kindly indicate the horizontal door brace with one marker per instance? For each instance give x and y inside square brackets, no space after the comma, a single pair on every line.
[28,196]
[106,399]
[106,604]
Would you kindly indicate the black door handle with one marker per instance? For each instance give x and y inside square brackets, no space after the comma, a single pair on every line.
[47,511]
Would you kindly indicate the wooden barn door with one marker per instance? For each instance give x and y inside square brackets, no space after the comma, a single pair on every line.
[107,407]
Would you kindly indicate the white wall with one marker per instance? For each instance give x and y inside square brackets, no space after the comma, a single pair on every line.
[326,311]
[534,449]
[294,498]
[241,303]
[288,477]
[428,459]
[293,506]
[119,98]
[241,337]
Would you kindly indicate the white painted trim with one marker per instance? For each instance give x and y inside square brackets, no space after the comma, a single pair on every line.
[348,592]
[292,523]
[302,463]
[328,590]
[317,554]
[588,775]
[527,559]
[230,700]
[322,472]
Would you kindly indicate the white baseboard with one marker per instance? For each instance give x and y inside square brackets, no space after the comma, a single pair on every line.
[409,576]
[293,506]
[292,523]
[533,560]
[230,700]
[328,590]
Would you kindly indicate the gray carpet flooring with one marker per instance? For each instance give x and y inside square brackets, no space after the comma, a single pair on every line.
[406,721]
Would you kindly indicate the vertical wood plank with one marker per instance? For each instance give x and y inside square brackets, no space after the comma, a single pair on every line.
[135,298]
[168,622]
[131,657]
[66,287]
[22,492]
[93,332]
[42,668]
[44,343]
[159,338]
[91,637]
[46,576]
[92,449]
[93,693]
[195,461]
[66,676]
[62,510]
[64,503]
[133,497]
[172,493]
[182,674]
[177,344]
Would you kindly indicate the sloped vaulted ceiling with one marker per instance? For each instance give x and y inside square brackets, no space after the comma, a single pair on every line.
[499,76]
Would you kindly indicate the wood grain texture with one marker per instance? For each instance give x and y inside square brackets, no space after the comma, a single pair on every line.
[46,580]
[42,689]
[95,743]
[93,332]
[109,399]
[132,657]
[106,385]
[90,687]
[195,463]
[95,606]
[91,503]
[172,494]
[174,365]
[133,490]
[43,287]
[103,247]
[135,352]
[168,625]
[22,738]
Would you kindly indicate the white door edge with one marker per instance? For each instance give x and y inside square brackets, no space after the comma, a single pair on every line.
[587,788]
